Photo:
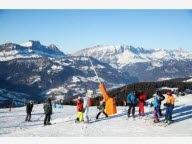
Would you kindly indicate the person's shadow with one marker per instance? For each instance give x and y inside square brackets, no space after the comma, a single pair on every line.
[183,113]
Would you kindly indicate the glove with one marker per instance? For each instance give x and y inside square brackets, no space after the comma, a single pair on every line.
[166,104]
[142,100]
[83,110]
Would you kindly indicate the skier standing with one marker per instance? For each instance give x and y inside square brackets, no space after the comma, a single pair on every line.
[48,111]
[79,110]
[169,107]
[54,105]
[156,105]
[160,98]
[101,108]
[132,103]
[86,109]
[29,108]
[142,97]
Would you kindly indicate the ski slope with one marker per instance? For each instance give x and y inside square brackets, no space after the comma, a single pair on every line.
[12,123]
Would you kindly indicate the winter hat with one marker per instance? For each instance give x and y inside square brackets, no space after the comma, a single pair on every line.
[169,93]
[90,92]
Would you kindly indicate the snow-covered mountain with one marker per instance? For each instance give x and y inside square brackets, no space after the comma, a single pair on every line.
[160,70]
[68,76]
[29,49]
[122,55]
[146,65]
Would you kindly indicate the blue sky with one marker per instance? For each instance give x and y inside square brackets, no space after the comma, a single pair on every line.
[72,30]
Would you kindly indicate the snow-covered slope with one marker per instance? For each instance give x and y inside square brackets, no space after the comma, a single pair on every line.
[122,55]
[12,123]
[30,49]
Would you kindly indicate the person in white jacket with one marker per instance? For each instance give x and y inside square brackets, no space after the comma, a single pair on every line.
[86,109]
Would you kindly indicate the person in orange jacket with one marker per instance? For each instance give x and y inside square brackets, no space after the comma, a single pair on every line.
[142,97]
[169,107]
[79,110]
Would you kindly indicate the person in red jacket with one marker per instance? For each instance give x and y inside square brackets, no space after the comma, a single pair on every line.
[79,110]
[142,97]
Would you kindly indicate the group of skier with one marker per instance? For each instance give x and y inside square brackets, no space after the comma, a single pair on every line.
[138,98]
[135,98]
[83,108]
[47,111]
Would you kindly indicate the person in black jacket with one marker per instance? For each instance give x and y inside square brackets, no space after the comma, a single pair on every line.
[160,99]
[48,111]
[29,108]
[101,108]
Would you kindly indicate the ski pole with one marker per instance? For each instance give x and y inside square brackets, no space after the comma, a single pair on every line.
[39,117]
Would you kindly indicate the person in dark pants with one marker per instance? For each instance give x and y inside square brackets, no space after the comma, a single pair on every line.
[160,99]
[169,107]
[29,108]
[101,108]
[48,111]
[132,103]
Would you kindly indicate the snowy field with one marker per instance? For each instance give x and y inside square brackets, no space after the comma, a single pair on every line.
[12,123]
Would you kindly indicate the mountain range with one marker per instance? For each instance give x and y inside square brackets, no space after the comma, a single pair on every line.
[40,72]
[32,71]
[146,65]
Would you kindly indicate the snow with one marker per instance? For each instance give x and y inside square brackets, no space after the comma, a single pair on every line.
[34,79]
[27,44]
[56,90]
[167,88]
[100,66]
[75,79]
[12,123]
[189,80]
[84,59]
[163,79]
[55,67]
[85,68]
[122,55]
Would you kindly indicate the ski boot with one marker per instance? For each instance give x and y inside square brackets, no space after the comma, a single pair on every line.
[156,121]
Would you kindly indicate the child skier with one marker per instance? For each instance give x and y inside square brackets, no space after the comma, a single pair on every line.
[79,110]
[169,107]
[101,108]
[142,97]
[156,105]
[160,98]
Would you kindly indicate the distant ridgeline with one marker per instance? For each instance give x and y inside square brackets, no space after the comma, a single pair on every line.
[148,87]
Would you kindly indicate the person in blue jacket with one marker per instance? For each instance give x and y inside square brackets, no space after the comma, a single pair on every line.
[156,104]
[132,103]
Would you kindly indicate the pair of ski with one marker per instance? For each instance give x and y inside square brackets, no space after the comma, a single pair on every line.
[161,123]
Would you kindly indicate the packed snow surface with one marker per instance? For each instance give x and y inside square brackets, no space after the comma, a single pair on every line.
[12,123]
